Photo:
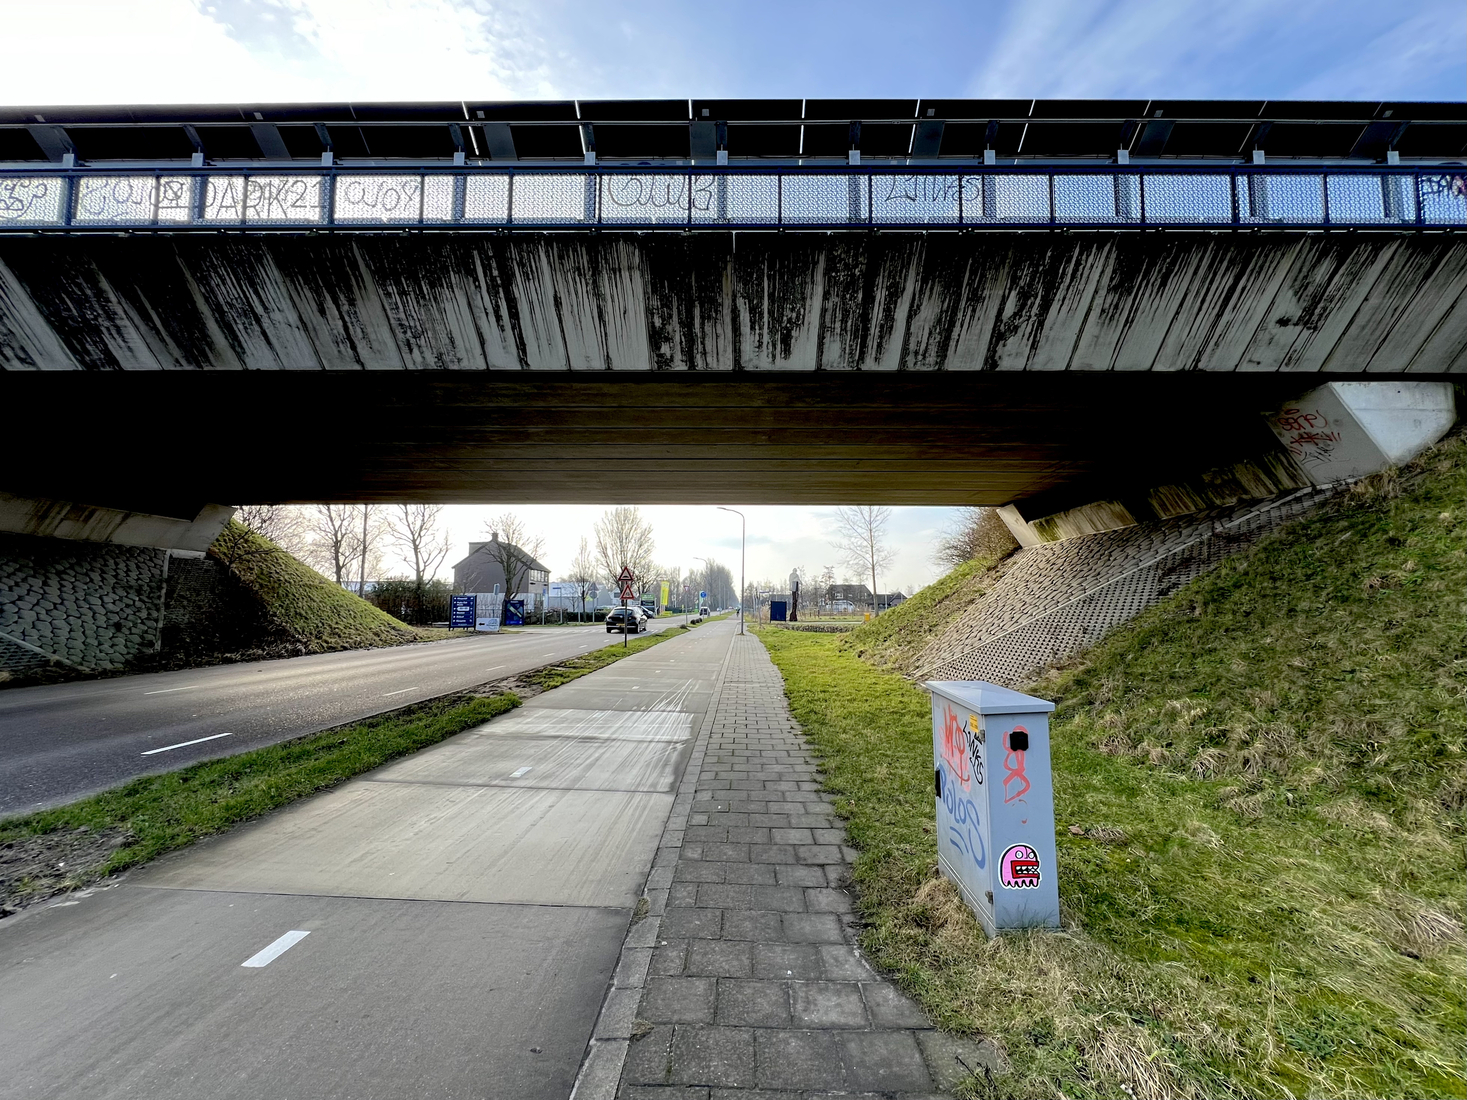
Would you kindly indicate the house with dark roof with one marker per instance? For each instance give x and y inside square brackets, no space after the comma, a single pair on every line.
[482,571]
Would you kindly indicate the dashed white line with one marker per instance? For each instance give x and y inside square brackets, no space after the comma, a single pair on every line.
[269,954]
[165,691]
[517,774]
[184,744]
[495,668]
[399,691]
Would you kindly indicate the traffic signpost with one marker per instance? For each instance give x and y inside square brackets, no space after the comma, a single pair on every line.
[625,579]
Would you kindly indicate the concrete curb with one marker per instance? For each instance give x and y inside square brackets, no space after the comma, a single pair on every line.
[601,1067]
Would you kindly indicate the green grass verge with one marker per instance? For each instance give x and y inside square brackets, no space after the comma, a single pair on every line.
[896,638]
[552,676]
[147,817]
[315,612]
[1260,802]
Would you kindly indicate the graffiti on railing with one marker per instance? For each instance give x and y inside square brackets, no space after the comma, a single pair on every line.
[263,199]
[29,199]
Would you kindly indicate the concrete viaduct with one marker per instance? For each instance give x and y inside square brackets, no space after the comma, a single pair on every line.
[1058,306]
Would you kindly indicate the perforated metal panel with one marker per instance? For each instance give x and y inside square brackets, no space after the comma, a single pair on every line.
[1070,594]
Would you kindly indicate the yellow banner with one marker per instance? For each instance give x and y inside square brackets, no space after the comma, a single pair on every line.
[664,595]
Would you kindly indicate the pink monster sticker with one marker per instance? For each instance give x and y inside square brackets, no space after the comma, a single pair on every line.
[1019,867]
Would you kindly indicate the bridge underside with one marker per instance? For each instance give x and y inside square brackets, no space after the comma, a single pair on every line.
[165,444]
[156,374]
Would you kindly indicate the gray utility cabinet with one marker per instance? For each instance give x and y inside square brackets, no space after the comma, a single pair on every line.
[995,802]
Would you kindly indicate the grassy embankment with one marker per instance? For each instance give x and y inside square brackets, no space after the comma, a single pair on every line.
[72,846]
[316,614]
[1260,798]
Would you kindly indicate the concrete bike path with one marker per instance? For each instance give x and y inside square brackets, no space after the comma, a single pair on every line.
[445,926]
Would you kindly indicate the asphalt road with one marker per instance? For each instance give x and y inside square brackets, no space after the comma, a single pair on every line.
[60,742]
[444,926]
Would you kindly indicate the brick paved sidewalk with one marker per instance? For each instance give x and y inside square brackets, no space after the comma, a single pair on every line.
[753,988]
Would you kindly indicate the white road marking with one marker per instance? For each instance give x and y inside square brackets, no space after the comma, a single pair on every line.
[517,774]
[165,691]
[275,950]
[494,668]
[399,691]
[184,744]
[550,654]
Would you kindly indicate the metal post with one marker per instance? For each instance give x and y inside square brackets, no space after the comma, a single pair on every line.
[743,543]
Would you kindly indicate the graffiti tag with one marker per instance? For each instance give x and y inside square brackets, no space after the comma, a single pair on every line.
[964,824]
[1013,767]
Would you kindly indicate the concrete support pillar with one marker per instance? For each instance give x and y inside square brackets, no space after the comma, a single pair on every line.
[1339,431]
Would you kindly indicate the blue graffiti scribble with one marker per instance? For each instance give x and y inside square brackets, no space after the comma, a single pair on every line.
[963,832]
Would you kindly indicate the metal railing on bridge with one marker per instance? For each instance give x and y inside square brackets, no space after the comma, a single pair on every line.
[696,198]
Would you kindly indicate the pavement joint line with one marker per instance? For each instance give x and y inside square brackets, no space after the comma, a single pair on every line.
[601,1066]
[394,899]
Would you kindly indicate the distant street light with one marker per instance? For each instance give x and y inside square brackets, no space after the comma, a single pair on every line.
[743,538]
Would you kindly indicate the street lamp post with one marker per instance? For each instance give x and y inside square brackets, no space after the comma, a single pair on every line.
[743,541]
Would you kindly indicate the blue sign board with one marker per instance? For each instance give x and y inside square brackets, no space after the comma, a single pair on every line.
[776,611]
[461,612]
[514,613]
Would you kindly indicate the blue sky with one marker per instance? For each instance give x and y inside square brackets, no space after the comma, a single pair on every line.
[195,51]
[228,50]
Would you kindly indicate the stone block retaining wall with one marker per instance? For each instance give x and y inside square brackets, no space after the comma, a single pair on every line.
[91,606]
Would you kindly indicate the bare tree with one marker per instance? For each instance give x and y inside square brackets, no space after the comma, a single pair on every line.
[861,540]
[370,528]
[583,572]
[332,546]
[415,528]
[286,525]
[515,550]
[973,533]
[624,539]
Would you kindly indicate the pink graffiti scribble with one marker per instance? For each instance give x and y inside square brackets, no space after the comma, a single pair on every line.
[1019,867]
[955,747]
[1013,767]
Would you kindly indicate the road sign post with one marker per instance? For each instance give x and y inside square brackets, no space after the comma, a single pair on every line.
[625,579]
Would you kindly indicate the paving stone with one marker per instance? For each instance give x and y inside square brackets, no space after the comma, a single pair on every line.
[801,962]
[799,1059]
[793,836]
[953,1060]
[749,1003]
[720,958]
[827,900]
[752,874]
[795,874]
[884,1061]
[713,896]
[730,853]
[662,1092]
[819,853]
[889,1007]
[752,924]
[812,928]
[683,895]
[843,963]
[678,1001]
[784,899]
[827,1004]
[669,959]
[648,1058]
[699,871]
[712,1056]
[704,924]
[772,853]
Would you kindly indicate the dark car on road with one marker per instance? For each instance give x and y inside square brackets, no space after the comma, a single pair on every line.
[628,620]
